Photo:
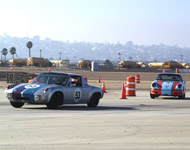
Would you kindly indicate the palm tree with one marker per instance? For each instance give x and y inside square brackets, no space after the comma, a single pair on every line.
[4,52]
[29,45]
[12,51]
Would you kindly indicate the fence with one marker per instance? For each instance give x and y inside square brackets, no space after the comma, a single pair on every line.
[19,77]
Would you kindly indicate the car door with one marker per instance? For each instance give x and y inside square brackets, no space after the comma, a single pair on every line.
[75,93]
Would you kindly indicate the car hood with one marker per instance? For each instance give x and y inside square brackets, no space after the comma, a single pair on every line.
[167,85]
[30,88]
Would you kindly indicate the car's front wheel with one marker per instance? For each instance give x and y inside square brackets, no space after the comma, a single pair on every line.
[152,96]
[16,104]
[182,96]
[55,101]
[94,100]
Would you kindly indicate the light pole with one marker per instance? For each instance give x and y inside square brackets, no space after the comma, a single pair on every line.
[60,58]
[40,53]
[1,55]
[119,56]
[60,55]
[181,58]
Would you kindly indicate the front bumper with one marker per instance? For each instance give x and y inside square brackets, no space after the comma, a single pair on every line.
[158,92]
[27,98]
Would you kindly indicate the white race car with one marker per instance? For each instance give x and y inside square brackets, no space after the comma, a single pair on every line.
[54,89]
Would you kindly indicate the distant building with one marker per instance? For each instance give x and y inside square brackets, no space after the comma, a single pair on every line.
[128,64]
[60,63]
[84,64]
[185,65]
[156,65]
[40,62]
[142,64]
[18,62]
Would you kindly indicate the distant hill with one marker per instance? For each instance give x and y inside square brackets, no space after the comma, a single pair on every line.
[93,51]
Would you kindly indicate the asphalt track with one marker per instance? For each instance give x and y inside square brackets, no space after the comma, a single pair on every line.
[135,123]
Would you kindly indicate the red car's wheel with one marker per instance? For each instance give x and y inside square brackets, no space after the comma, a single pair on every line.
[152,96]
[182,96]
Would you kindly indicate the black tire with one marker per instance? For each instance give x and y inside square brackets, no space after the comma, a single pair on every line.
[152,96]
[55,101]
[16,104]
[182,96]
[94,100]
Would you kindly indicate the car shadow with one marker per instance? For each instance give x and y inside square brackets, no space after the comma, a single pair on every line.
[68,108]
[173,98]
[85,108]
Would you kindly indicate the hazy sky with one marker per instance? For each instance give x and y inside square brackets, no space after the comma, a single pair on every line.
[141,21]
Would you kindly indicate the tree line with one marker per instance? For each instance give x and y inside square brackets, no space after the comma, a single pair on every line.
[13,51]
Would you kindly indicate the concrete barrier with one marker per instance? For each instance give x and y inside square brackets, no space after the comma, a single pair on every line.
[184,70]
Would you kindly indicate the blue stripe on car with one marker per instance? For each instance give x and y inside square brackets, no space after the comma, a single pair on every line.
[19,89]
[29,92]
[166,88]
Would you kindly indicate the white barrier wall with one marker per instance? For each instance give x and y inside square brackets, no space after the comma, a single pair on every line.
[94,66]
[184,70]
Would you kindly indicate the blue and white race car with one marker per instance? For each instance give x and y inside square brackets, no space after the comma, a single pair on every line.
[54,89]
[168,84]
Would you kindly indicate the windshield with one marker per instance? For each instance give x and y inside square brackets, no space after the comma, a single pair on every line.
[51,78]
[170,77]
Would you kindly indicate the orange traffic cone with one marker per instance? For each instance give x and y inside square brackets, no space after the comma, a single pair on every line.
[29,81]
[85,78]
[11,69]
[177,71]
[49,70]
[164,71]
[123,92]
[103,87]
[99,80]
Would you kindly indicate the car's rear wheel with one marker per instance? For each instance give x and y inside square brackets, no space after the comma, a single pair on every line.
[152,96]
[55,101]
[94,100]
[16,104]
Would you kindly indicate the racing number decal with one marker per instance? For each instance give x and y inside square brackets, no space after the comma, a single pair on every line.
[31,86]
[77,95]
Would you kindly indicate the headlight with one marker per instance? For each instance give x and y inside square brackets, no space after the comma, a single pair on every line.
[179,86]
[36,97]
[153,84]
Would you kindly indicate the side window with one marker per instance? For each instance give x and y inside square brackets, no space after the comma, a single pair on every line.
[76,81]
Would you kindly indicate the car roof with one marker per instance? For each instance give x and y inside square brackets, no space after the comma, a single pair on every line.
[169,74]
[70,74]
